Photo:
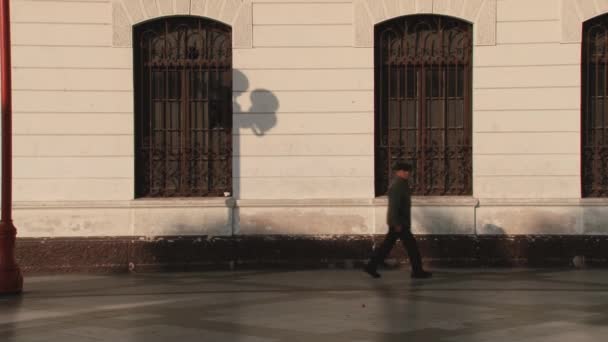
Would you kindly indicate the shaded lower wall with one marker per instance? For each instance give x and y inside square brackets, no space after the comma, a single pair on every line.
[190,253]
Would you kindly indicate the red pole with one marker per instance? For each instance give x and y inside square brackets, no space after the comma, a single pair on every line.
[11,280]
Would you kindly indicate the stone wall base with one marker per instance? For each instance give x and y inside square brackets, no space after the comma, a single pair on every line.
[195,253]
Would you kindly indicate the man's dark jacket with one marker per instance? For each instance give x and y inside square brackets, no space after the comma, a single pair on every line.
[399,204]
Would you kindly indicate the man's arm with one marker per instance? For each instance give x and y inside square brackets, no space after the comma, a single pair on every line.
[394,206]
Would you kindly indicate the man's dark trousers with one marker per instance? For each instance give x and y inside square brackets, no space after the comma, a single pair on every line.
[389,241]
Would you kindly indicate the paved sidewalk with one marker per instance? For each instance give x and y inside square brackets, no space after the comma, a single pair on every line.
[329,305]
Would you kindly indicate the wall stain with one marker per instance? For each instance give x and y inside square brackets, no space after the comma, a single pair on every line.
[298,222]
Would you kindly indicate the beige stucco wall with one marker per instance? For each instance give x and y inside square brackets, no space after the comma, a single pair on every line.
[303,74]
[527,106]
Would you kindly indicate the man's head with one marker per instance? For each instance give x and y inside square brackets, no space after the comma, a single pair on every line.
[402,170]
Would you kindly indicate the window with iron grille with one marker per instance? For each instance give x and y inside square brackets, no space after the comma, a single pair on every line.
[423,103]
[183,107]
[594,137]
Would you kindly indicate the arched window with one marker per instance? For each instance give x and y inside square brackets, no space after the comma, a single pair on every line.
[594,137]
[183,107]
[423,103]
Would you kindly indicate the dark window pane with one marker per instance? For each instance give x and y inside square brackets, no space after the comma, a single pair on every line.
[411,113]
[158,85]
[434,86]
[412,82]
[455,110]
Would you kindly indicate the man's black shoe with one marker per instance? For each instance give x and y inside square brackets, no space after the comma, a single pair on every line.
[422,275]
[371,271]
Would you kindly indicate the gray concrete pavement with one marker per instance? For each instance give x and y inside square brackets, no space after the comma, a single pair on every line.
[329,305]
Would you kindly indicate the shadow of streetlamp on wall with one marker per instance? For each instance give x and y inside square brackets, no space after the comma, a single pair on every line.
[260,118]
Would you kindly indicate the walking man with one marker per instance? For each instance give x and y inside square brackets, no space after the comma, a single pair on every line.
[399,223]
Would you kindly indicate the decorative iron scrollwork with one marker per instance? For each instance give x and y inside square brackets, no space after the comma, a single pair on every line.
[423,103]
[183,96]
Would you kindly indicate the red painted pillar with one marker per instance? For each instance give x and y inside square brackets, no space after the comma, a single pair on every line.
[11,280]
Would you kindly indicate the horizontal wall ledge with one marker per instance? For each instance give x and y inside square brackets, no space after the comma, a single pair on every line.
[594,202]
[186,202]
[282,203]
[182,202]
[436,201]
[420,201]
[136,203]
[535,202]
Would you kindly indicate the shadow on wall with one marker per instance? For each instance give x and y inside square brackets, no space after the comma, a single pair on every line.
[262,102]
[256,120]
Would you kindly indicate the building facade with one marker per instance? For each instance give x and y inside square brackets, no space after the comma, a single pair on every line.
[265,129]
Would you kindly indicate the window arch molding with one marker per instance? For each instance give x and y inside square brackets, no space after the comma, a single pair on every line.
[235,13]
[575,13]
[480,13]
